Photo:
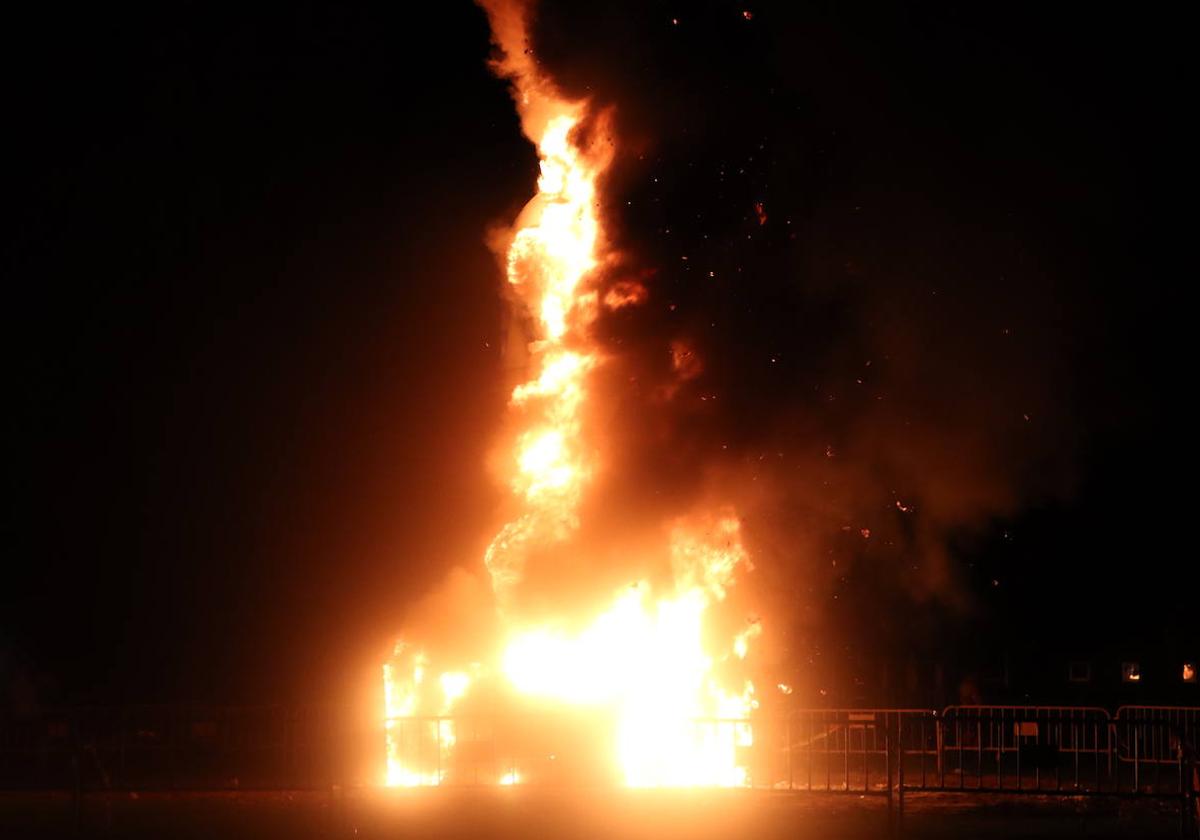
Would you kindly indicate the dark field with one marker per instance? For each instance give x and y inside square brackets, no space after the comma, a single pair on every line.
[531,814]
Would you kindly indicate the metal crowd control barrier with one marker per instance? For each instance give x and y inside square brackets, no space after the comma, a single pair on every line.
[176,748]
[837,750]
[1146,726]
[1040,748]
[556,750]
[1140,751]
[1148,752]
[829,750]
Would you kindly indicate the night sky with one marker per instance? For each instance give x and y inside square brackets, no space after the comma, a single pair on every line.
[254,332]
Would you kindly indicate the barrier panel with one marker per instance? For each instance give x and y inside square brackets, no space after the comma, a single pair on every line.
[840,750]
[1039,748]
[573,749]
[1153,734]
[1141,750]
[176,748]
[828,750]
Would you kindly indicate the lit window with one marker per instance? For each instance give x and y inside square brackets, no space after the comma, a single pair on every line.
[1189,672]
[1131,672]
[1079,672]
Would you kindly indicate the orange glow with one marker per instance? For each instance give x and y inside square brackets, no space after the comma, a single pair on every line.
[645,660]
[625,293]
[648,660]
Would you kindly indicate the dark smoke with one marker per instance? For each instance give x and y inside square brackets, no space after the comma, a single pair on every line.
[870,274]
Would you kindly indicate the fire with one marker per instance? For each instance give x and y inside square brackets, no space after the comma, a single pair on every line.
[644,658]
[646,662]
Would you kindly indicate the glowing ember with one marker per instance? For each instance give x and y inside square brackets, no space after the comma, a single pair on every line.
[648,662]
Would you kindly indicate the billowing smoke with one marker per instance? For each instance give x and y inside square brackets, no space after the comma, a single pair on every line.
[854,353]
[799,323]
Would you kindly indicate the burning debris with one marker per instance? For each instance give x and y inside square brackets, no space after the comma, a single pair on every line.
[651,662]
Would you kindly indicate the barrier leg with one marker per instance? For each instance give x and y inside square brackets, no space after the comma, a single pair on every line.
[900,782]
[887,749]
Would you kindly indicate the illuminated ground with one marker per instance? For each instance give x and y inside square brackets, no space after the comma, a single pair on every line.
[530,814]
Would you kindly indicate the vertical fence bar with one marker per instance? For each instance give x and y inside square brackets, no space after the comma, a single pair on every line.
[941,749]
[1108,745]
[1000,755]
[867,758]
[1183,802]
[900,774]
[1018,742]
[1193,788]
[979,750]
[809,749]
[1058,751]
[791,766]
[887,748]
[1075,749]
[828,767]
[1137,759]
[1037,744]
[846,752]
[1160,750]
[924,749]
[958,739]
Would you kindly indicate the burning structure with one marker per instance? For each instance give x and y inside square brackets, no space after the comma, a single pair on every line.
[653,664]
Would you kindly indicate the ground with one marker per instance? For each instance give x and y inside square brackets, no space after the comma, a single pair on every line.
[534,814]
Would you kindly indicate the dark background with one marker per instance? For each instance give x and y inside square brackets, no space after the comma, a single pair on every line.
[253,331]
